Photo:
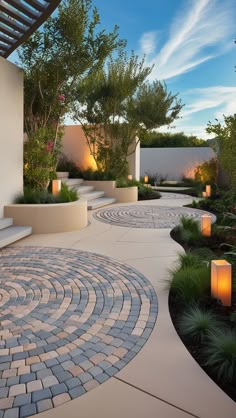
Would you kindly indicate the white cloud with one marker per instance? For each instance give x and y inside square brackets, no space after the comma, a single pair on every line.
[210,103]
[148,43]
[201,31]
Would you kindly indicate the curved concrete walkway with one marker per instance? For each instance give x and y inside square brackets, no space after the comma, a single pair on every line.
[163,380]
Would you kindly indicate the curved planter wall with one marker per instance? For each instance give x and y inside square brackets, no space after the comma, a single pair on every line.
[122,195]
[44,219]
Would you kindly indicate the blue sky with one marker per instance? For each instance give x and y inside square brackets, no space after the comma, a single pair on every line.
[191,44]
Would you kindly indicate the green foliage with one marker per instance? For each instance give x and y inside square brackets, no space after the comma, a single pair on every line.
[124,182]
[66,165]
[221,355]
[147,193]
[90,174]
[204,253]
[169,140]
[207,172]
[56,59]
[226,145]
[40,159]
[189,230]
[112,112]
[32,196]
[155,179]
[197,323]
[190,283]
[189,260]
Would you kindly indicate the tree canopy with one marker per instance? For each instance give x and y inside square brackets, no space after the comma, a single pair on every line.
[170,140]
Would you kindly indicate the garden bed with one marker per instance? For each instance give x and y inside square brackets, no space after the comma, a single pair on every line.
[208,248]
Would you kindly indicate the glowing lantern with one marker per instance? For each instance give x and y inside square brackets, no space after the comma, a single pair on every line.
[56,186]
[221,281]
[208,190]
[204,194]
[206,225]
[130,177]
[145,179]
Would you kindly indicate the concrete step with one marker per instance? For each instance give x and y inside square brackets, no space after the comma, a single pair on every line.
[5,222]
[92,195]
[100,202]
[13,233]
[73,182]
[85,189]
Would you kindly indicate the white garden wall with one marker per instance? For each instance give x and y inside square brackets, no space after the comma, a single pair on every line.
[11,132]
[174,163]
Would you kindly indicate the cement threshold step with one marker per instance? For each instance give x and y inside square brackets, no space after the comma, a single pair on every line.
[73,182]
[100,202]
[84,189]
[13,233]
[5,222]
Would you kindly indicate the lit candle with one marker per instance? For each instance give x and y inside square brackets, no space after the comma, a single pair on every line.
[56,187]
[145,179]
[208,190]
[221,281]
[130,177]
[204,194]
[206,225]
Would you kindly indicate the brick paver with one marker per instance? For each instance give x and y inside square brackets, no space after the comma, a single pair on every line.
[141,216]
[69,321]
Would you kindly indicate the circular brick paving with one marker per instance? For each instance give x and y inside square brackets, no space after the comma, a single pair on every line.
[139,216]
[69,321]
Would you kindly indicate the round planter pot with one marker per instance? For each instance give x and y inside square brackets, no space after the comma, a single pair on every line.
[49,218]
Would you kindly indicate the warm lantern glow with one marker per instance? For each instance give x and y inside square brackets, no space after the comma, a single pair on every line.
[206,225]
[145,179]
[221,281]
[208,190]
[56,186]
[130,177]
[204,194]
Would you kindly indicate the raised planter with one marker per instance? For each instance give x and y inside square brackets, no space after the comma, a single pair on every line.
[122,194]
[49,218]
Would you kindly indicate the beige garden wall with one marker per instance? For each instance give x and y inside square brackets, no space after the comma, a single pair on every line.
[122,194]
[11,132]
[75,148]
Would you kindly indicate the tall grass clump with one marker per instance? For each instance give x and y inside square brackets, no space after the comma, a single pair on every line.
[197,323]
[220,355]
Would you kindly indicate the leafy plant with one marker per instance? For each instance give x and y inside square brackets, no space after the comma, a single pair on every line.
[147,193]
[197,323]
[207,172]
[221,354]
[190,283]
[123,182]
[189,260]
[90,174]
[189,229]
[204,253]
[32,196]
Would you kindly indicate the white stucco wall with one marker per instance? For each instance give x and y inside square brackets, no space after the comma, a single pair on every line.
[75,148]
[11,132]
[173,162]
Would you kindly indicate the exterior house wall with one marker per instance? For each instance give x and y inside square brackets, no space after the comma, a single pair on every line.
[75,148]
[11,132]
[174,163]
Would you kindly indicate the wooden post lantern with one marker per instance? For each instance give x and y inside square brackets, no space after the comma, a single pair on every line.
[221,281]
[208,190]
[206,225]
[56,187]
[145,179]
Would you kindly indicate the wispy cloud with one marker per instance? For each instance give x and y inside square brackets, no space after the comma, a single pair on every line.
[148,42]
[200,32]
[202,105]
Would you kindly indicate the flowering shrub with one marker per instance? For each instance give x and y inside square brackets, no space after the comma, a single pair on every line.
[40,159]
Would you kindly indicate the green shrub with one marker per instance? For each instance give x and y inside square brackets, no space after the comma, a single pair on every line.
[44,197]
[189,260]
[98,175]
[147,193]
[189,230]
[197,323]
[67,165]
[221,355]
[190,284]
[124,182]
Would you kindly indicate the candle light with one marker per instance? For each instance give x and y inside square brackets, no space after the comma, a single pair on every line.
[130,177]
[206,225]
[145,179]
[208,190]
[221,281]
[56,187]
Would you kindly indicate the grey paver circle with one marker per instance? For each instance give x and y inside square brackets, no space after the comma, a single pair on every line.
[69,321]
[141,216]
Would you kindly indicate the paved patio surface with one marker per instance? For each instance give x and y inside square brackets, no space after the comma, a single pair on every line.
[162,380]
